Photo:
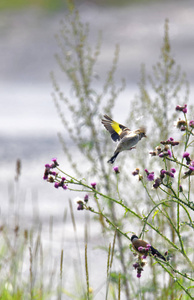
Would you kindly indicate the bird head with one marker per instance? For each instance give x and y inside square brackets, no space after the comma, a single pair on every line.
[134,237]
[141,132]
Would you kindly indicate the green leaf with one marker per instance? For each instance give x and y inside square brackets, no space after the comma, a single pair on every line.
[155,214]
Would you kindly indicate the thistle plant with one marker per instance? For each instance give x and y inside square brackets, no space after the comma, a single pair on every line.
[105,189]
[175,188]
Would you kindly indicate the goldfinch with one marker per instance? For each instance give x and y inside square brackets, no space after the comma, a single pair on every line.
[137,243]
[126,137]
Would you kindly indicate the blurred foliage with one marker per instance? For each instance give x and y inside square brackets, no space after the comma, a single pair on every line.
[52,5]
[20,4]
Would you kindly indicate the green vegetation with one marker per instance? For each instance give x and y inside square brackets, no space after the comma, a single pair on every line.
[19,4]
[52,5]
[155,200]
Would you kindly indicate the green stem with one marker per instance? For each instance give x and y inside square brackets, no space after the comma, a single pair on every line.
[174,278]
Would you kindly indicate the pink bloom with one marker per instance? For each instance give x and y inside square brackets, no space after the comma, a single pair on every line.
[169,153]
[56,185]
[93,184]
[186,154]
[116,169]
[150,177]
[191,123]
[173,170]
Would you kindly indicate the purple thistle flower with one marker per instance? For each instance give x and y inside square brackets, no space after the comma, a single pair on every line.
[148,246]
[186,154]
[80,205]
[63,179]
[56,185]
[171,139]
[171,174]
[178,107]
[174,143]
[53,173]
[55,163]
[136,265]
[65,187]
[191,168]
[183,128]
[173,170]
[93,184]
[47,166]
[140,248]
[45,177]
[146,171]
[162,172]
[191,123]
[182,108]
[144,256]
[116,169]
[157,183]
[150,176]
[138,275]
[86,197]
[185,109]
[180,188]
[169,153]
[161,154]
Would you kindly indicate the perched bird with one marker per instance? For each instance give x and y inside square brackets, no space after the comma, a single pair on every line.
[126,137]
[136,243]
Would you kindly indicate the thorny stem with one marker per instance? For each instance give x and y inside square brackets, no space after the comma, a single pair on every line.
[77,182]
[162,264]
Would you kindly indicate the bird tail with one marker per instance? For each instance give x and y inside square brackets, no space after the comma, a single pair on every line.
[157,253]
[112,159]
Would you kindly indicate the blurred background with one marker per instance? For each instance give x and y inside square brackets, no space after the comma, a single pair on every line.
[28,119]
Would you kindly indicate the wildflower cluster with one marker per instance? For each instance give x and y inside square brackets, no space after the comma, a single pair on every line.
[159,180]
[186,155]
[190,164]
[139,267]
[48,169]
[52,176]
[144,252]
[165,151]
[82,203]
[61,184]
[182,108]
[183,124]
[150,175]
[165,178]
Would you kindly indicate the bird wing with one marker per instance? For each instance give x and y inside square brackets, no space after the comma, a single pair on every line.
[116,130]
[139,243]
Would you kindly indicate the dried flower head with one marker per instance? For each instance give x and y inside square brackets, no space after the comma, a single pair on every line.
[135,172]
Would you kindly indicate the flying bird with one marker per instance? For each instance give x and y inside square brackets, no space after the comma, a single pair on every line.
[126,137]
[136,243]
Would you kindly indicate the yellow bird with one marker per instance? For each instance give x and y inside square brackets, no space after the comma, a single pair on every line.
[126,137]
